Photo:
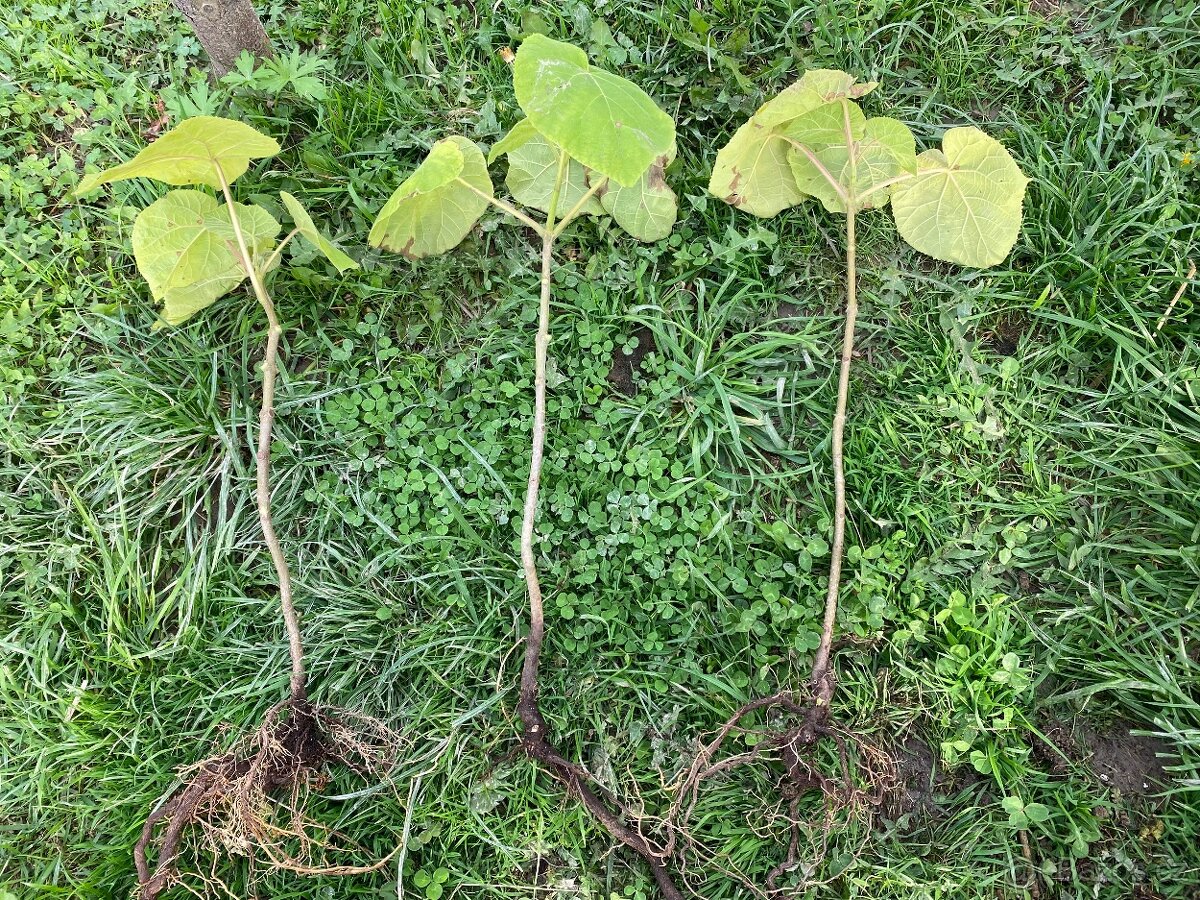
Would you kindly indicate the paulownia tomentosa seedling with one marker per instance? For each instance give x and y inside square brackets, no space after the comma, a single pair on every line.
[959,204]
[592,144]
[192,249]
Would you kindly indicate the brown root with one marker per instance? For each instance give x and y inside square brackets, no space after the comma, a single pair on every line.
[249,801]
[859,787]
[613,815]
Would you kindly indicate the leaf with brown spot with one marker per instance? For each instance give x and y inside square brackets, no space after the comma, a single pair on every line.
[646,210]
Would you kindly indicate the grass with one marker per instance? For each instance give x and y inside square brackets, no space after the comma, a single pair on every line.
[1022,459]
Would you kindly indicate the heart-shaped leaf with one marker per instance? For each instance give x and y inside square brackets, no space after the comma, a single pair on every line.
[309,231]
[190,154]
[607,123]
[187,250]
[881,149]
[752,171]
[648,209]
[532,169]
[964,204]
[436,207]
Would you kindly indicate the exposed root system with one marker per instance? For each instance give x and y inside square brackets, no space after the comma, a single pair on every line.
[250,800]
[860,787]
[535,740]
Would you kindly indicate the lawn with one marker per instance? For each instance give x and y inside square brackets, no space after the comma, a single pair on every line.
[1022,585]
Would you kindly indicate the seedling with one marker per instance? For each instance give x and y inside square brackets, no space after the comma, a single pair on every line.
[960,204]
[592,144]
[192,250]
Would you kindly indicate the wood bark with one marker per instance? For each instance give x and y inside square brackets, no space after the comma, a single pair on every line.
[226,28]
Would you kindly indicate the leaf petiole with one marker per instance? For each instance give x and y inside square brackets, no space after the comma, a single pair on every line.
[506,208]
[278,251]
[820,167]
[566,220]
[884,185]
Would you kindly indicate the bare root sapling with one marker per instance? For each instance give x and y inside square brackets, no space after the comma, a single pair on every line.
[960,204]
[592,144]
[193,249]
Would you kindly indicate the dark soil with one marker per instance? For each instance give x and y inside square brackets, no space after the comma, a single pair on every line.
[1004,335]
[1133,764]
[917,780]
[626,366]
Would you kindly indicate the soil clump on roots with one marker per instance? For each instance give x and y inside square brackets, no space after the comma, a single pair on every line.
[249,801]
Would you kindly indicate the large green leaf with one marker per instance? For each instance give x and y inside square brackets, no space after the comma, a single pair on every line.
[607,123]
[187,250]
[647,210]
[816,87]
[881,149]
[752,171]
[308,230]
[190,153]
[532,169]
[964,204]
[436,207]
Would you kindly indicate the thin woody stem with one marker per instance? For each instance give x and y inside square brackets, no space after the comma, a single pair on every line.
[536,741]
[530,714]
[266,418]
[822,680]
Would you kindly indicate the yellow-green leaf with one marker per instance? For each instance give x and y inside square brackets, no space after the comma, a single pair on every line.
[187,251]
[436,207]
[309,231]
[883,150]
[532,169]
[648,209]
[815,88]
[190,154]
[964,204]
[607,123]
[752,172]
[519,135]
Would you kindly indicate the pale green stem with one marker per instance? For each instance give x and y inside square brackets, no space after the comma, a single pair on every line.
[592,191]
[266,419]
[506,208]
[537,619]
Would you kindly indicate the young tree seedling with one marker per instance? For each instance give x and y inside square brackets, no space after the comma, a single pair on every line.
[960,204]
[192,249]
[592,144]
